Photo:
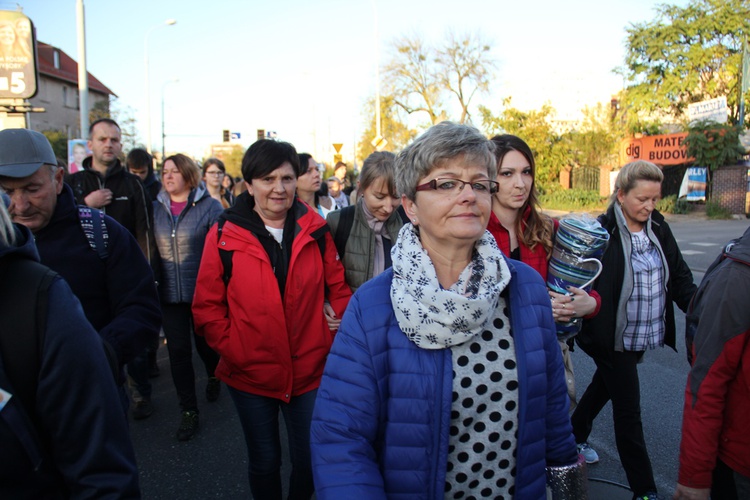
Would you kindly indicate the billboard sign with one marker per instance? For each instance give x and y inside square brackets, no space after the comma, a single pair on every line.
[712,109]
[18,72]
[78,150]
[660,149]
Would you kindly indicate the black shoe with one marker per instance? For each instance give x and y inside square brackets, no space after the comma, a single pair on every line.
[142,409]
[189,425]
[213,388]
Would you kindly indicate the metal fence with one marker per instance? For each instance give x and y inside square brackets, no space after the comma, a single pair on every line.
[585,178]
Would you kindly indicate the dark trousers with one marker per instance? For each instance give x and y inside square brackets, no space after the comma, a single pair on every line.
[177,322]
[618,382]
[139,368]
[259,416]
[727,484]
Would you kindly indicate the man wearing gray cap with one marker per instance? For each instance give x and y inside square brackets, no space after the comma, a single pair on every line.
[103,265]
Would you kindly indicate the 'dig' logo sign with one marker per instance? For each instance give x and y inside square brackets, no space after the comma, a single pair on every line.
[18,74]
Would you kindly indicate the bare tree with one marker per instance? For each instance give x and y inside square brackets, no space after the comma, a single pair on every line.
[412,78]
[465,68]
[422,78]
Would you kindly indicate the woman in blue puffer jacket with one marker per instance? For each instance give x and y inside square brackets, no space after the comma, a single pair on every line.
[183,213]
[445,378]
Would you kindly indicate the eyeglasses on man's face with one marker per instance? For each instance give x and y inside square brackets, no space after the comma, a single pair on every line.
[215,173]
[454,186]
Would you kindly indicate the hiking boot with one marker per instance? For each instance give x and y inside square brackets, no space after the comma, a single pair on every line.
[188,425]
[142,409]
[213,388]
[652,495]
[589,454]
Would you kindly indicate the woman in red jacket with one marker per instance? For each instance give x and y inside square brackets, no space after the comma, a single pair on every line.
[524,233]
[269,298]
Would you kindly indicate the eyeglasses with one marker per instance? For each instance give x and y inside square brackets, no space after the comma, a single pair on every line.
[455,186]
[217,173]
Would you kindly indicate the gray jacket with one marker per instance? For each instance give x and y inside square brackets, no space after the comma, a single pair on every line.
[180,242]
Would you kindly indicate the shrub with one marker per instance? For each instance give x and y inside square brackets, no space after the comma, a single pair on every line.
[714,211]
[673,205]
[573,200]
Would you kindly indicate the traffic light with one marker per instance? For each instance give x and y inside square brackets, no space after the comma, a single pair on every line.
[226,135]
[261,134]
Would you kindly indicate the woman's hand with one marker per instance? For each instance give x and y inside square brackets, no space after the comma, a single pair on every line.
[331,319]
[685,493]
[576,305]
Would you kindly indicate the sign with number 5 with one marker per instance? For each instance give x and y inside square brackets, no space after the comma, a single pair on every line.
[18,71]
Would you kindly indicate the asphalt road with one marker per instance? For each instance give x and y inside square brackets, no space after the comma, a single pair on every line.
[214,463]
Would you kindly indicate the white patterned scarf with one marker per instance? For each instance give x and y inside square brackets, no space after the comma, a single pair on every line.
[436,318]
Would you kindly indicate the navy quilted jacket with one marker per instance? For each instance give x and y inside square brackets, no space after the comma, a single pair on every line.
[382,414]
[180,242]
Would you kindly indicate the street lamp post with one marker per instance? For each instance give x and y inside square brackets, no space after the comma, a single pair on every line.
[168,22]
[163,135]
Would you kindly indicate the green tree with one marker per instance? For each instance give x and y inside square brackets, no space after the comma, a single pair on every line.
[392,127]
[427,79]
[714,145]
[233,161]
[551,149]
[595,141]
[59,141]
[687,54]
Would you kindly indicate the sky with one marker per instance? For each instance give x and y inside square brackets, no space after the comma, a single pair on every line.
[305,69]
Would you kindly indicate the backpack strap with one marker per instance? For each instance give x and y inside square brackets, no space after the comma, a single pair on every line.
[346,221]
[95,229]
[319,235]
[224,255]
[23,322]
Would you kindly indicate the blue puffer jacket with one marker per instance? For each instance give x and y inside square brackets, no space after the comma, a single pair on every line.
[180,242]
[382,415]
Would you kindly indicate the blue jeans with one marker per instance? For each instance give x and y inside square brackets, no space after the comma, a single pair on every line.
[259,416]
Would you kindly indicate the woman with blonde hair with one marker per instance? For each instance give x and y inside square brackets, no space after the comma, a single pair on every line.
[365,233]
[643,272]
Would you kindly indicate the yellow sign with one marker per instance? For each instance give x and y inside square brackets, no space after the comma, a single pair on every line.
[379,142]
[337,147]
[337,158]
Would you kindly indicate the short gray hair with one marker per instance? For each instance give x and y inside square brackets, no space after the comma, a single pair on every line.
[442,142]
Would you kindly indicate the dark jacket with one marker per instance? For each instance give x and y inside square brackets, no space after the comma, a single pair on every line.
[118,294]
[360,245]
[87,451]
[382,417]
[717,396]
[602,335]
[180,243]
[268,323]
[130,204]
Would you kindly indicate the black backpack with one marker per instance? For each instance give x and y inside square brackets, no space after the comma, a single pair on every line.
[23,308]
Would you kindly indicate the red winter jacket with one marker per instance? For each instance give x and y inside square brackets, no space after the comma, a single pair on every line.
[270,346]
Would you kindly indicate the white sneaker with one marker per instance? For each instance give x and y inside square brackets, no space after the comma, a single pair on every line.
[589,454]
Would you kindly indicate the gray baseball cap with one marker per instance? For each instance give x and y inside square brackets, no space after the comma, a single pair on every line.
[23,151]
